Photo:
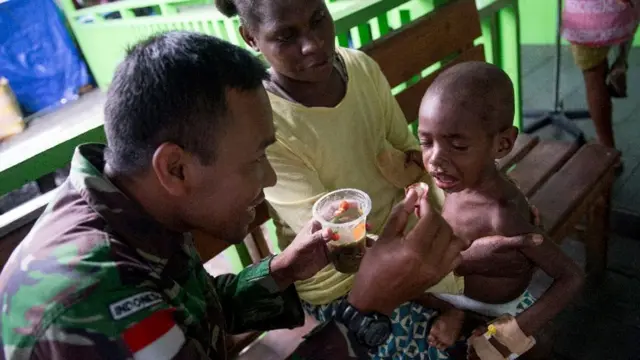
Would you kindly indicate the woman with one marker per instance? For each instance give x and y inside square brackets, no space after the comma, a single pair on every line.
[594,27]
[337,126]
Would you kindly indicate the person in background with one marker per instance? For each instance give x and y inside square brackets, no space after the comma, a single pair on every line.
[595,28]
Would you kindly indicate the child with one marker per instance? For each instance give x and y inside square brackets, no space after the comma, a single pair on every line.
[465,125]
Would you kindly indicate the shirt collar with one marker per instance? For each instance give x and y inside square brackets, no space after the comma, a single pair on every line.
[153,241]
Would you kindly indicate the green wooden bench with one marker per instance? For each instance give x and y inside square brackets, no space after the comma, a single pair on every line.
[444,36]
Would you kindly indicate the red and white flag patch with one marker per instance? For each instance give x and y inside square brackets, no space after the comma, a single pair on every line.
[156,337]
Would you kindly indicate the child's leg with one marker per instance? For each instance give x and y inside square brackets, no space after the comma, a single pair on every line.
[617,77]
[622,59]
[446,328]
[593,63]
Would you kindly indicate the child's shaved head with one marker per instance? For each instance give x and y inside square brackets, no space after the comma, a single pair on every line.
[466,122]
[479,87]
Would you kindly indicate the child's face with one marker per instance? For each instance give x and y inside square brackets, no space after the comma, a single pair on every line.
[457,151]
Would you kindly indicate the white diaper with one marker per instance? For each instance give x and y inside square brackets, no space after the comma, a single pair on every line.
[492,310]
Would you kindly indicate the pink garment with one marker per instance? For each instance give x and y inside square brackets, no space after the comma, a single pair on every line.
[599,22]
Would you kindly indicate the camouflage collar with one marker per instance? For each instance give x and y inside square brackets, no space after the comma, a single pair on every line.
[152,241]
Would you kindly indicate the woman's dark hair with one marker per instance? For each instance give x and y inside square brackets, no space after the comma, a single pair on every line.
[248,10]
[227,7]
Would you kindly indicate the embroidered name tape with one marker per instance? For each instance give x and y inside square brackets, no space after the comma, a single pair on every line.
[133,304]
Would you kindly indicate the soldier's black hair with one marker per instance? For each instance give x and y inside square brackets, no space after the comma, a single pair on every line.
[172,88]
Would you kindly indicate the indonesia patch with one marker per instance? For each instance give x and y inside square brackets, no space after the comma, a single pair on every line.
[131,305]
[156,337]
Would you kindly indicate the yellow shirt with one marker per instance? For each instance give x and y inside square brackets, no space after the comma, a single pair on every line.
[321,149]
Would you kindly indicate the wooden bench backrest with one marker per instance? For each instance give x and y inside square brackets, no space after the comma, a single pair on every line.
[445,35]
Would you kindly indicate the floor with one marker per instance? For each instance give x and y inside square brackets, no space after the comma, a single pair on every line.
[605,322]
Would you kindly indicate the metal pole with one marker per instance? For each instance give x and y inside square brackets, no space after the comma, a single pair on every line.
[556,103]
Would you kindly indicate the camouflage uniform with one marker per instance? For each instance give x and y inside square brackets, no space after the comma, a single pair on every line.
[98,278]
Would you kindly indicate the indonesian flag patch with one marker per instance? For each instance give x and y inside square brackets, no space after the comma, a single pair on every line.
[156,337]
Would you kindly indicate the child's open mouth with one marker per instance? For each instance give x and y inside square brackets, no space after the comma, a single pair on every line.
[444,181]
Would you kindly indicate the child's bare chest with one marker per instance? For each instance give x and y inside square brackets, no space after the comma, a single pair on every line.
[468,220]
[473,218]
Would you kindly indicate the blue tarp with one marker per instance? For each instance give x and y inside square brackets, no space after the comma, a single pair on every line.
[38,55]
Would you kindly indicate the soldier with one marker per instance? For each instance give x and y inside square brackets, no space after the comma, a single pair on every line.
[110,270]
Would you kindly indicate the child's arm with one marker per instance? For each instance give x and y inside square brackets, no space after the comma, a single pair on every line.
[568,277]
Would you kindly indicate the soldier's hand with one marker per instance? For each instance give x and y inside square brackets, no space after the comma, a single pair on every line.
[304,257]
[399,267]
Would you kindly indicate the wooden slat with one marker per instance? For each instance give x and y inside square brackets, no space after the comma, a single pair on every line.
[559,230]
[253,248]
[407,51]
[564,193]
[597,236]
[409,100]
[262,216]
[540,164]
[524,144]
[256,242]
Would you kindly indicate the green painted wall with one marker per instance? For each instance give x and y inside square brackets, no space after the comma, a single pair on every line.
[538,21]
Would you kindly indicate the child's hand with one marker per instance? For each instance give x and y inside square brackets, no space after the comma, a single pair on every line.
[445,330]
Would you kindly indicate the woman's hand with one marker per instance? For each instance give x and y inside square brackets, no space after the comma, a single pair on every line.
[498,255]
[399,267]
[413,157]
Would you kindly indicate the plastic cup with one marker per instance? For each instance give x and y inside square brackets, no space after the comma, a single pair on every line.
[345,211]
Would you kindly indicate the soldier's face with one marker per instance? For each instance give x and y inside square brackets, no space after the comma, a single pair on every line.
[222,196]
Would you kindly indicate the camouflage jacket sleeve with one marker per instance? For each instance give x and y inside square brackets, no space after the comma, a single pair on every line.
[137,325]
[252,301]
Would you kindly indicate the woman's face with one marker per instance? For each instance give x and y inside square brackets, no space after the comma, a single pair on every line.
[296,37]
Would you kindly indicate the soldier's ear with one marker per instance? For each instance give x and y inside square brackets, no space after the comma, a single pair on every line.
[168,163]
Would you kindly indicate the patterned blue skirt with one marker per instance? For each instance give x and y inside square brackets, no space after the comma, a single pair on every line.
[411,324]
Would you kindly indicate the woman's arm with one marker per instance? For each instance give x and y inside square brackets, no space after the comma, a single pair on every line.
[495,255]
